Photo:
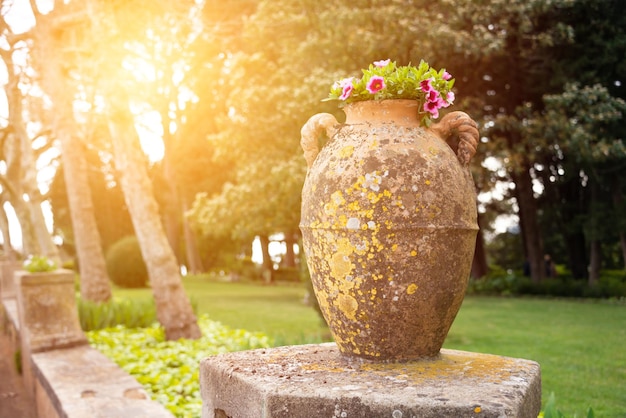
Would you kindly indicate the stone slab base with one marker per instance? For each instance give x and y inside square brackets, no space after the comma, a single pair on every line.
[317,381]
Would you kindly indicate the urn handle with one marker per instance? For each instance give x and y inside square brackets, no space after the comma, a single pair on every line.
[460,132]
[309,135]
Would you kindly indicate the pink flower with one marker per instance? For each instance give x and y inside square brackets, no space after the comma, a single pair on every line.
[375,84]
[426,85]
[381,64]
[432,96]
[450,97]
[346,91]
[446,76]
[432,108]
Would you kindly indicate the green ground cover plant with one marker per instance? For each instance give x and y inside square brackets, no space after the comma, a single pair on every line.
[168,370]
[579,344]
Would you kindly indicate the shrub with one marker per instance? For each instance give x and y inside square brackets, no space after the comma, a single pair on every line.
[287,274]
[125,263]
[39,264]
[503,283]
[135,313]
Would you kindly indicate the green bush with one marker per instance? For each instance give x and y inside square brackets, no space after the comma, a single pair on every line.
[512,283]
[287,274]
[39,264]
[135,313]
[125,263]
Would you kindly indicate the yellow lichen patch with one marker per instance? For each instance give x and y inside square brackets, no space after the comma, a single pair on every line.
[348,305]
[427,182]
[454,366]
[354,206]
[336,200]
[340,266]
[346,151]
[394,247]
[374,144]
[413,253]
[477,410]
[373,294]
[412,288]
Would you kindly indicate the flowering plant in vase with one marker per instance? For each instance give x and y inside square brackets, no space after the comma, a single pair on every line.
[385,80]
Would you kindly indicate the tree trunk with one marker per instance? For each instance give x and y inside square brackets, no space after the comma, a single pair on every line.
[618,205]
[268,268]
[7,244]
[480,267]
[95,285]
[529,224]
[595,261]
[194,261]
[94,280]
[290,255]
[174,309]
[595,248]
[21,172]
[30,245]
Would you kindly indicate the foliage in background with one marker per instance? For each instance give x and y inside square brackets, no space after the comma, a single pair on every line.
[125,263]
[500,282]
[39,264]
[131,313]
[169,370]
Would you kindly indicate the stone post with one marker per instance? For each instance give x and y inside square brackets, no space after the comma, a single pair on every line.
[47,314]
[317,381]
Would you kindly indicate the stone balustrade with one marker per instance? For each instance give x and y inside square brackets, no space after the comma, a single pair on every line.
[66,377]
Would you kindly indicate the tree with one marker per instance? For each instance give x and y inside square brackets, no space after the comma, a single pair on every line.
[102,78]
[173,307]
[55,63]
[19,182]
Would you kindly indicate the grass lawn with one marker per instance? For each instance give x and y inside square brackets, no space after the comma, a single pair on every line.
[580,345]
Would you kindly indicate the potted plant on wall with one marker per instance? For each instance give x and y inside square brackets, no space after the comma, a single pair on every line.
[389,211]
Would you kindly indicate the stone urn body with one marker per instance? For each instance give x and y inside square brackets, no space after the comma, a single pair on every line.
[389,226]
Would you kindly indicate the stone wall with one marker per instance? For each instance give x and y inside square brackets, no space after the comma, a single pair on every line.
[66,376]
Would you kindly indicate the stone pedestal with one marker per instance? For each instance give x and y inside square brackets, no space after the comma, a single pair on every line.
[47,313]
[317,381]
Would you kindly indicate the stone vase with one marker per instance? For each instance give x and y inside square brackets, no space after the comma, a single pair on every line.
[389,225]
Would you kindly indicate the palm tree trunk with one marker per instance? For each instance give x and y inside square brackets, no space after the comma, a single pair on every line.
[174,309]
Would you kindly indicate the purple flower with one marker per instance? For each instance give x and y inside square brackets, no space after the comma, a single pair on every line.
[381,64]
[375,84]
